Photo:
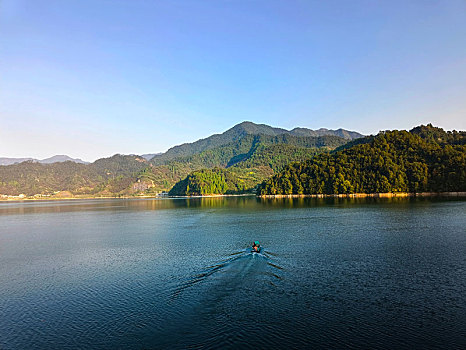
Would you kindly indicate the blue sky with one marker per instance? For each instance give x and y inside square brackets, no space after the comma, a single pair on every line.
[94,78]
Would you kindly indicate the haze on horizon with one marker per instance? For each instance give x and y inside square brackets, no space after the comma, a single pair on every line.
[93,78]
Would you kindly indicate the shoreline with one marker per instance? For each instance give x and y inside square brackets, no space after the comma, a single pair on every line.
[269,196]
[31,199]
[368,195]
[73,198]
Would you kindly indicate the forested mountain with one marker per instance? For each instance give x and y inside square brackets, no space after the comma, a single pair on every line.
[245,171]
[238,132]
[425,159]
[251,159]
[109,175]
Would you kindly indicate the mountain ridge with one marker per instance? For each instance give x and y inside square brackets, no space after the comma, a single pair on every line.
[251,152]
[190,148]
[240,130]
[59,158]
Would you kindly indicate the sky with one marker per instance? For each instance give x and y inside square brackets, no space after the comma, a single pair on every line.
[93,78]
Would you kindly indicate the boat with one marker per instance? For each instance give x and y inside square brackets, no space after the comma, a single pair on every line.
[256,247]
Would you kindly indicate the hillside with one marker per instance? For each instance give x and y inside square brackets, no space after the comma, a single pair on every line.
[424,159]
[250,152]
[106,175]
[241,130]
[251,159]
[207,181]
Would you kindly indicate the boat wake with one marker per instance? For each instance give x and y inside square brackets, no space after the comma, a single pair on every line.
[237,269]
[205,306]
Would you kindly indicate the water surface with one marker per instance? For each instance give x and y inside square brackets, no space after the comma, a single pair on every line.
[177,273]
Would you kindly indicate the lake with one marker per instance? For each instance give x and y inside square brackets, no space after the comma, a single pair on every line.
[178,273]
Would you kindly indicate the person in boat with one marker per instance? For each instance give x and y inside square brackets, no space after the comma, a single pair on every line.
[256,246]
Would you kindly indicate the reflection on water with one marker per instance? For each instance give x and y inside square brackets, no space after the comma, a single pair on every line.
[237,202]
[178,273]
[25,207]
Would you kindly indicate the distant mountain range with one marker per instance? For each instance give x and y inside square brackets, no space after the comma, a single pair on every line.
[54,159]
[249,153]
[252,156]
[234,134]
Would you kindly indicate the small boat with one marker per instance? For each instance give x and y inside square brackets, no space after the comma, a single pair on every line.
[256,247]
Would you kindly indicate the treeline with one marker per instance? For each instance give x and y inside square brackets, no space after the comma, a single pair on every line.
[424,159]
[207,182]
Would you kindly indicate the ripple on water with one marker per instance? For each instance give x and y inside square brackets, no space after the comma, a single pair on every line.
[345,275]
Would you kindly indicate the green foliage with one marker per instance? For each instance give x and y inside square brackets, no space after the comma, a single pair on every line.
[277,156]
[206,182]
[425,159]
[243,130]
[252,159]
[114,174]
[251,152]
[360,141]
[438,135]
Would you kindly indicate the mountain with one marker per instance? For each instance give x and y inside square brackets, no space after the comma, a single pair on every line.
[244,172]
[61,158]
[297,161]
[424,159]
[248,153]
[254,129]
[54,159]
[9,161]
[149,156]
[105,176]
[251,158]
[239,131]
